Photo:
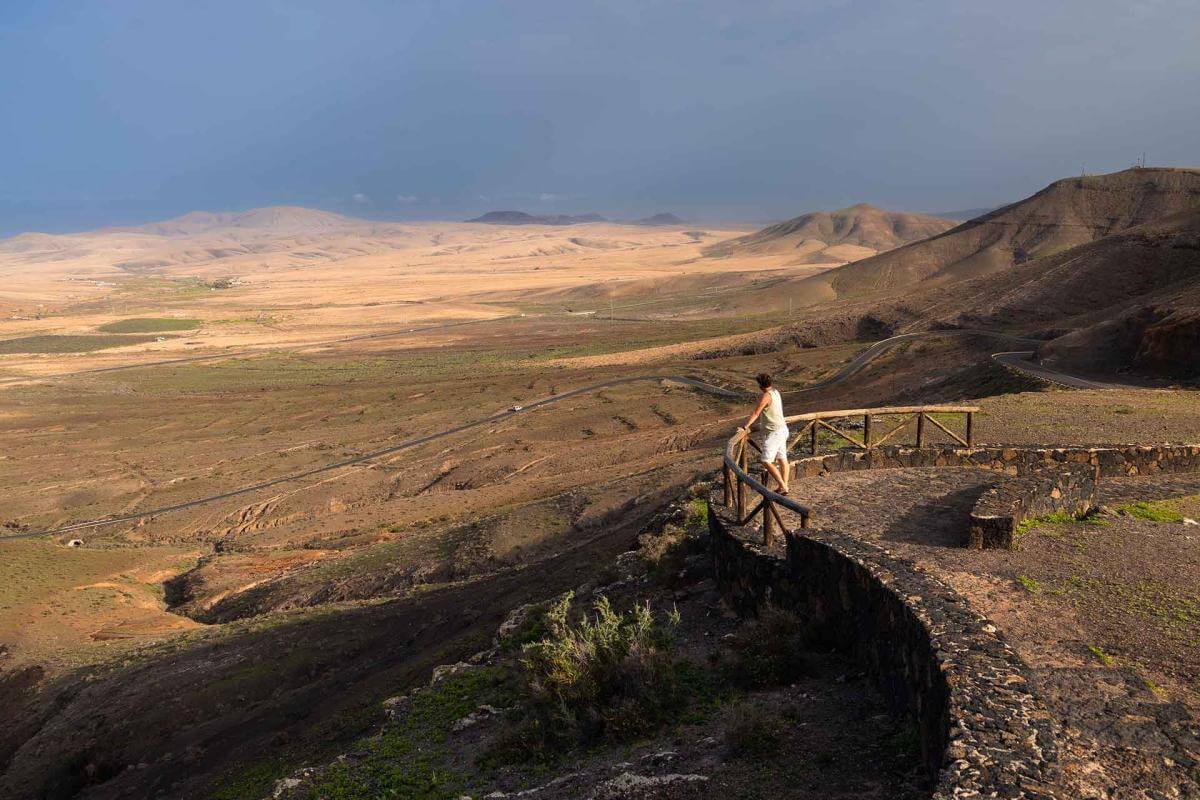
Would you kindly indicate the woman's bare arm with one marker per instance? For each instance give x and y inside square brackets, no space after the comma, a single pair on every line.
[761,405]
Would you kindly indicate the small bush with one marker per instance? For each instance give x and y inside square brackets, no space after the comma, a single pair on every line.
[531,628]
[665,552]
[770,651]
[696,519]
[905,743]
[610,676]
[1030,585]
[752,732]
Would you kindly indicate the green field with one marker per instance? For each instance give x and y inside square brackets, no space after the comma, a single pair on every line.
[150,325]
[54,343]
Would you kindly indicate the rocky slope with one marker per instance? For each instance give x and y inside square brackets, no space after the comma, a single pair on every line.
[1065,214]
[810,235]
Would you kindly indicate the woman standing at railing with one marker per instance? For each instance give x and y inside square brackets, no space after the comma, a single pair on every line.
[775,432]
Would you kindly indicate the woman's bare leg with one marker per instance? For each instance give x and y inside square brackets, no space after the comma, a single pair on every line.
[785,467]
[774,470]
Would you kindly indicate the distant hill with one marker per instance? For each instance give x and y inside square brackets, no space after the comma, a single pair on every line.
[33,243]
[1066,213]
[522,218]
[660,219]
[808,236]
[965,214]
[271,218]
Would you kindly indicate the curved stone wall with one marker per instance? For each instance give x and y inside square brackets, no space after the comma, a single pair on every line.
[1044,479]
[983,732]
[1046,489]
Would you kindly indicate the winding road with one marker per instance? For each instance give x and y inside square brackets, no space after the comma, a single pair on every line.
[1021,361]
[848,370]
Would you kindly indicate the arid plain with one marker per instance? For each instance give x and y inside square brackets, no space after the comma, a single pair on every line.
[356,407]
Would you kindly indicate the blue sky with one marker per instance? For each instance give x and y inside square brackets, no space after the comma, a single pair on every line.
[116,111]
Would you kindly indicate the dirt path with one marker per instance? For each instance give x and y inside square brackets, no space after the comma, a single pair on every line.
[853,367]
[386,451]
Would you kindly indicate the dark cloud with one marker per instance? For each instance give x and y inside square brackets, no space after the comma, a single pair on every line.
[141,108]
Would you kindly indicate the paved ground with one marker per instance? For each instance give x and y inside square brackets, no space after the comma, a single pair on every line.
[1106,614]
[925,507]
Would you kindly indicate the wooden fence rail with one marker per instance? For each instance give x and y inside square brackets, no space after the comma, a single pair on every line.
[819,420]
[738,483]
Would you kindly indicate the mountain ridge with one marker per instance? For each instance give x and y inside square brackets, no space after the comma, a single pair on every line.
[524,218]
[1064,214]
[860,226]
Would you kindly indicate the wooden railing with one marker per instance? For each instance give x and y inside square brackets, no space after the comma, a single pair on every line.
[738,483]
[818,420]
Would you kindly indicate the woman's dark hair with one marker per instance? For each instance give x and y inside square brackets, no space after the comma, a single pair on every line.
[764,380]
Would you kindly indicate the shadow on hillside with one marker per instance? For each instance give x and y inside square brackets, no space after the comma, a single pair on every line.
[273,692]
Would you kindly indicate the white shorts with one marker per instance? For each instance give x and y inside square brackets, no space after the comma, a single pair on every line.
[774,445]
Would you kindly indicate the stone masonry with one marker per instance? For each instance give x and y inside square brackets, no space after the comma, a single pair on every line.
[983,732]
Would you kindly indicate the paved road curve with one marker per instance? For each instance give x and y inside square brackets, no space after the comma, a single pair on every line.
[860,361]
[1021,361]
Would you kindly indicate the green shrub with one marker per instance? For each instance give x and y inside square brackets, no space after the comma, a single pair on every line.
[696,516]
[665,552]
[531,628]
[608,676]
[752,732]
[1031,585]
[905,743]
[770,651]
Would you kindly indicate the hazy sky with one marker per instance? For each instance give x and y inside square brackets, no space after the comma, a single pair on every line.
[123,110]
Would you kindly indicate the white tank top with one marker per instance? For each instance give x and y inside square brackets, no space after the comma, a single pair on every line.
[773,414]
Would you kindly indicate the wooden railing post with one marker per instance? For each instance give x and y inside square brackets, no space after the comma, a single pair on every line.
[728,473]
[742,487]
[867,431]
[814,438]
[768,515]
[921,429]
[970,429]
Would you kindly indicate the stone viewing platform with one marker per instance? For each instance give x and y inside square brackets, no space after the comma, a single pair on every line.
[991,592]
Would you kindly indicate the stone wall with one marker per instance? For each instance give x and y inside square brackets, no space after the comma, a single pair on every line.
[1048,488]
[1111,461]
[983,732]
[1045,479]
